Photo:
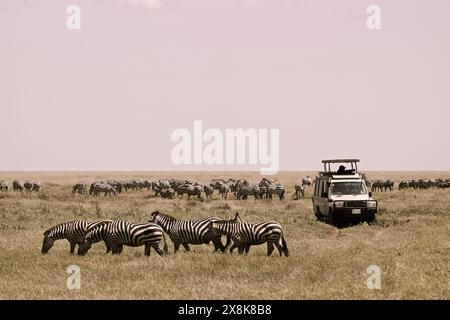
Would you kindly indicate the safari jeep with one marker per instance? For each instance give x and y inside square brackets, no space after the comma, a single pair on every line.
[341,195]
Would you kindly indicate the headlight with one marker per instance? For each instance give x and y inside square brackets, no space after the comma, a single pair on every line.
[339,204]
[371,204]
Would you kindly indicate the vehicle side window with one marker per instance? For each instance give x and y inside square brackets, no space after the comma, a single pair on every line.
[316,188]
[324,189]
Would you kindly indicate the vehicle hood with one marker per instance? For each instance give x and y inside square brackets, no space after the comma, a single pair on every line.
[350,197]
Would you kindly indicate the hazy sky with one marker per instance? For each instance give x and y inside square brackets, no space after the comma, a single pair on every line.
[108,96]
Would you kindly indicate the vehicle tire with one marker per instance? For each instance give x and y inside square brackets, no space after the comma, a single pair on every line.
[370,218]
[318,214]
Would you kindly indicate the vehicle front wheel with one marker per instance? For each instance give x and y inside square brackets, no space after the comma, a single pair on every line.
[333,219]
[371,218]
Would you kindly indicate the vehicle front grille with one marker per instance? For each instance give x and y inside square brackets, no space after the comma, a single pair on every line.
[355,204]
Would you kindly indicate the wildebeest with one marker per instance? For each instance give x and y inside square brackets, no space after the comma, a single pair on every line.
[4,185]
[299,190]
[79,188]
[32,186]
[167,193]
[307,181]
[17,186]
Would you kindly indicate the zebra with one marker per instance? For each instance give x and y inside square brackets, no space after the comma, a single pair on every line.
[277,189]
[32,186]
[119,233]
[17,186]
[245,191]
[271,187]
[216,183]
[118,185]
[160,184]
[307,181]
[72,231]
[79,188]
[246,234]
[175,183]
[299,190]
[101,186]
[185,232]
[4,185]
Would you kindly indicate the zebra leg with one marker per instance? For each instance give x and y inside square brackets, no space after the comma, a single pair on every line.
[147,249]
[72,247]
[270,248]
[157,248]
[176,246]
[247,248]
[235,245]
[186,247]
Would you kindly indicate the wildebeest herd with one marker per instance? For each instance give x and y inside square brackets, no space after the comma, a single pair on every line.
[172,188]
[240,188]
[415,184]
[116,234]
[28,186]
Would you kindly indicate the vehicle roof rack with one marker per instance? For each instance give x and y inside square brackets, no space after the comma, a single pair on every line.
[327,167]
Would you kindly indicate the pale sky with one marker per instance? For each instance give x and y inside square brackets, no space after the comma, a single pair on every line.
[108,96]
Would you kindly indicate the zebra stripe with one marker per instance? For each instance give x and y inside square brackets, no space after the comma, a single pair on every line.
[120,233]
[246,234]
[73,231]
[185,232]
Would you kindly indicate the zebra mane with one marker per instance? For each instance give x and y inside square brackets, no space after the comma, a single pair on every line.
[154,213]
[50,230]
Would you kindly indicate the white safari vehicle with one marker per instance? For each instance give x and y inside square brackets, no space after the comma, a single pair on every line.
[341,195]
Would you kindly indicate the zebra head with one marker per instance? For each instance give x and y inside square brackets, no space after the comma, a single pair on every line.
[163,220]
[48,241]
[227,227]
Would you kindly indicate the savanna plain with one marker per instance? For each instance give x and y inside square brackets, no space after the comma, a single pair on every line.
[409,242]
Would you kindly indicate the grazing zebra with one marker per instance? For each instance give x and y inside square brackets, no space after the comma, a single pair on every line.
[4,185]
[73,231]
[101,186]
[216,183]
[120,233]
[168,193]
[32,186]
[175,183]
[185,232]
[208,191]
[246,234]
[244,191]
[79,188]
[299,190]
[118,185]
[17,186]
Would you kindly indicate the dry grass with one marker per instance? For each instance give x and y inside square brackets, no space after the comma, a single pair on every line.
[410,242]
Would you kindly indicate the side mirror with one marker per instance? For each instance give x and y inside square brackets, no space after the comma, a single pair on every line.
[370,194]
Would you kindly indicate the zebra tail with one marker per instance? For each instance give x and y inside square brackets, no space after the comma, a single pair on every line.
[165,248]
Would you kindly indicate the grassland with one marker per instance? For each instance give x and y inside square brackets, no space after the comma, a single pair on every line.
[410,242]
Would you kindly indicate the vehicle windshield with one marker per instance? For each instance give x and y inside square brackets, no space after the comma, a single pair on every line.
[341,188]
